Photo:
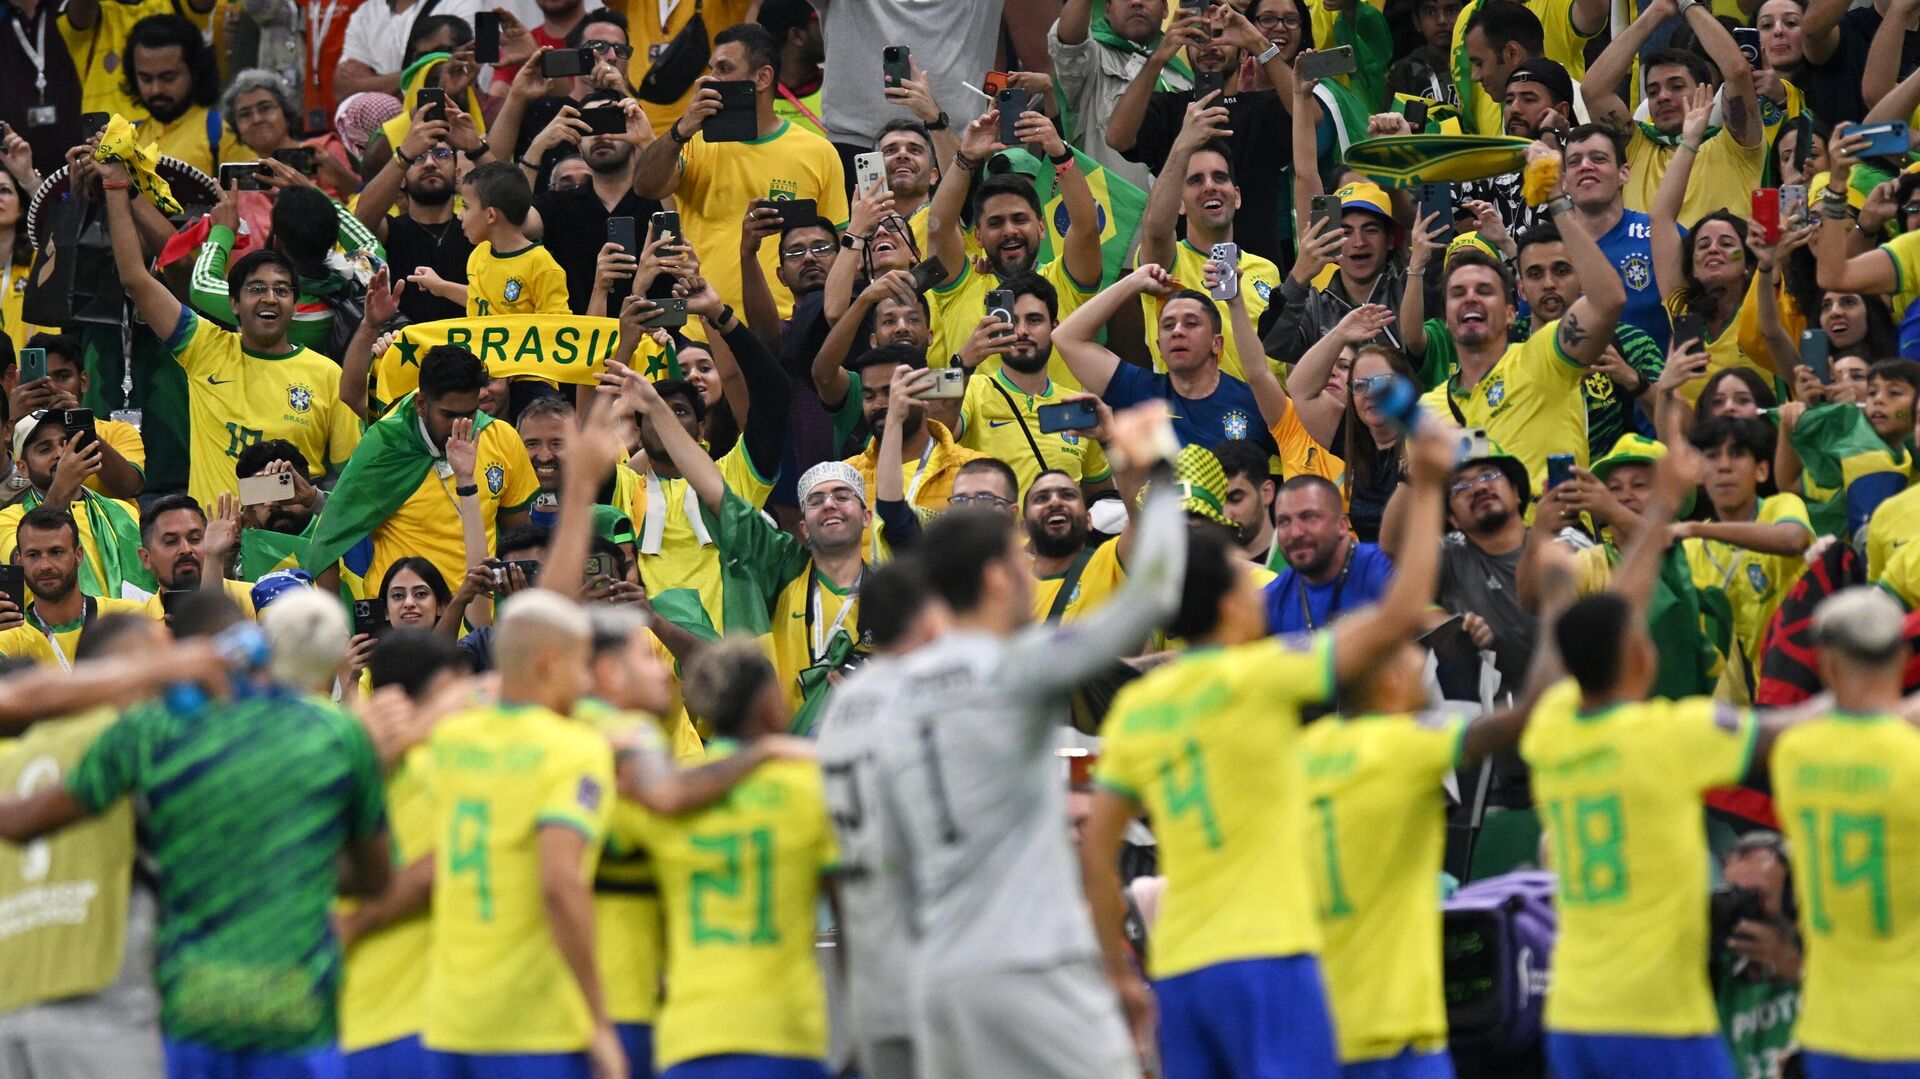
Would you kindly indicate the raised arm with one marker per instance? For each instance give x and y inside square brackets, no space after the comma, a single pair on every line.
[658,167]
[1305,131]
[1123,127]
[1307,384]
[158,307]
[1675,476]
[1268,393]
[1362,639]
[1871,272]
[1669,275]
[1206,119]
[764,430]
[945,241]
[1090,361]
[1586,330]
[830,378]
[1878,84]
[1601,88]
[1428,241]
[639,395]
[864,215]
[1739,99]
[1820,29]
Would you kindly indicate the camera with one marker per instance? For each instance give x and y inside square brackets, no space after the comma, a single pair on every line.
[1729,906]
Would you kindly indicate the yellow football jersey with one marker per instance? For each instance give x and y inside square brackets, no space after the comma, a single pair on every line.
[627,920]
[1529,402]
[125,440]
[237,397]
[89,545]
[1619,793]
[1723,177]
[1754,583]
[740,881]
[1207,744]
[525,282]
[99,57]
[496,982]
[805,614]
[428,522]
[197,137]
[991,419]
[1259,278]
[1904,250]
[1844,788]
[57,644]
[671,553]
[1894,523]
[1100,580]
[384,995]
[960,304]
[240,592]
[1376,833]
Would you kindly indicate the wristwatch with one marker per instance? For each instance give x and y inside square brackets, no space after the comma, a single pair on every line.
[1559,204]
[1272,50]
[673,130]
[939,123]
[852,242]
[725,316]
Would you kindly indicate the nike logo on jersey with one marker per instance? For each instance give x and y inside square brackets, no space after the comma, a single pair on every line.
[998,423]
[212,381]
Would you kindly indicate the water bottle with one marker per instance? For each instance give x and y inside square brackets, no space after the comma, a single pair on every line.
[242,647]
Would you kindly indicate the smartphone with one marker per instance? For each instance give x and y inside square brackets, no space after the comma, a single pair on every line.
[1883,140]
[270,487]
[1228,256]
[486,37]
[1748,38]
[92,123]
[369,616]
[1207,82]
[1067,416]
[1000,304]
[927,273]
[994,82]
[529,567]
[1436,199]
[565,63]
[33,364]
[13,585]
[1012,102]
[1766,213]
[1416,115]
[1690,327]
[170,598]
[672,316]
[1194,5]
[667,223]
[949,384]
[624,231]
[869,169]
[1793,204]
[796,211]
[895,64]
[605,120]
[297,158]
[737,120]
[1326,63]
[1559,469]
[596,566]
[1324,209]
[79,421]
[1816,350]
[434,100]
[241,176]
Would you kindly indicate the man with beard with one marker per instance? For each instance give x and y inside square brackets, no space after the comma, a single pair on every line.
[1329,572]
[123,454]
[1094,58]
[186,550]
[1251,491]
[807,250]
[427,235]
[56,464]
[930,458]
[1539,99]
[171,72]
[1069,578]
[1000,415]
[795,25]
[263,524]
[58,612]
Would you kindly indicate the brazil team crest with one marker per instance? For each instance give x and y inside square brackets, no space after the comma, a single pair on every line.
[496,478]
[1496,392]
[1235,424]
[300,397]
[513,290]
[1262,290]
[1757,577]
[1637,271]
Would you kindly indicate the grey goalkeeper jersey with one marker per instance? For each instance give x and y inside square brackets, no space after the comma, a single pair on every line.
[874,889]
[969,774]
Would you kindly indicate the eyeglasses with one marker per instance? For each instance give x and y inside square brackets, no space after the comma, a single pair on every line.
[258,288]
[982,499]
[439,153]
[842,496]
[1269,22]
[1484,479]
[820,250]
[620,52]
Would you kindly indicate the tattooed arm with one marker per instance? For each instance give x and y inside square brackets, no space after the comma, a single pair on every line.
[1587,328]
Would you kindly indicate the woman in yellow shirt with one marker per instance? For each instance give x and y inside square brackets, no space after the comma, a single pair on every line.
[16,254]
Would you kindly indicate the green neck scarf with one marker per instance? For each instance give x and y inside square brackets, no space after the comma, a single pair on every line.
[1103,33]
[385,471]
[1659,138]
[116,538]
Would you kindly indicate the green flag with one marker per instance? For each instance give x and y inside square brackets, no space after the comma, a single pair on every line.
[392,459]
[1364,28]
[1837,446]
[1117,203]
[116,535]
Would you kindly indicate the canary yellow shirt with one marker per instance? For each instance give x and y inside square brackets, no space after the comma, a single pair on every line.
[1894,523]
[237,397]
[1098,582]
[1844,788]
[526,282]
[1208,745]
[718,181]
[927,480]
[790,642]
[26,641]
[681,560]
[649,31]
[1619,793]
[125,440]
[1904,251]
[240,592]
[99,55]
[1754,583]
[89,546]
[1376,836]
[960,304]
[1723,177]
[1258,280]
[740,881]
[1529,402]
[384,995]
[1560,41]
[496,982]
[428,522]
[1723,351]
[992,416]
[185,138]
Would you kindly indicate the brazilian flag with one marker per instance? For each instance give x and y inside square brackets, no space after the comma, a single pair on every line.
[262,552]
[1846,469]
[1118,203]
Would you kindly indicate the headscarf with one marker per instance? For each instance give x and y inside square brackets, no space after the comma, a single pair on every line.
[360,115]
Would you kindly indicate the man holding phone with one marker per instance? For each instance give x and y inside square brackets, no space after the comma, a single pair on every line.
[930,455]
[64,386]
[711,181]
[1095,56]
[55,462]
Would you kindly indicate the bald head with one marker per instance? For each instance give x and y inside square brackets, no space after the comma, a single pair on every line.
[541,644]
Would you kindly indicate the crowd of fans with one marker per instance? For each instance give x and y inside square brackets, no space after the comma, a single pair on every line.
[507,511]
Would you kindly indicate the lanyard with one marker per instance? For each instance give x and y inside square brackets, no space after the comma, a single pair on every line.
[1340,586]
[818,641]
[37,52]
[798,104]
[88,608]
[920,473]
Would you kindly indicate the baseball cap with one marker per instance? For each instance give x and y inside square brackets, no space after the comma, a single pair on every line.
[1476,448]
[612,525]
[1548,73]
[1632,449]
[23,431]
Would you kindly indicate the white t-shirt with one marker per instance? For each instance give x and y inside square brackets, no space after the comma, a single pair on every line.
[377,35]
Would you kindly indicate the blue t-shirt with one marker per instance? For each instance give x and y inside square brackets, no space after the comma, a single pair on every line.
[1294,606]
[1229,412]
[1629,246]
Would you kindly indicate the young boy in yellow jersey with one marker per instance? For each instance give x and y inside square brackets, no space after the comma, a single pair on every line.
[1843,784]
[740,882]
[521,796]
[1206,745]
[507,274]
[1618,782]
[1751,549]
